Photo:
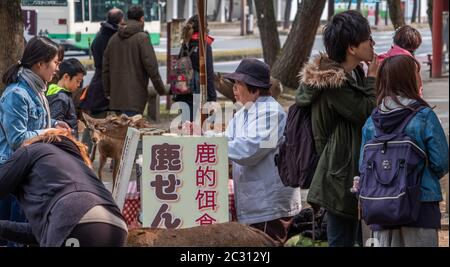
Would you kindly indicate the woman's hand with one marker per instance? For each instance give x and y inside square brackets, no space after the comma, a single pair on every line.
[62,125]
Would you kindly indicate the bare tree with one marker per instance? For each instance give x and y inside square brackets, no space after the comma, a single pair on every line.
[267,25]
[414,12]
[330,9]
[299,43]
[395,13]
[287,15]
[181,8]
[430,14]
[358,5]
[217,10]
[11,30]
[230,11]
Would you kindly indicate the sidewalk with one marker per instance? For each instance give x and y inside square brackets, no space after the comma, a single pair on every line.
[437,95]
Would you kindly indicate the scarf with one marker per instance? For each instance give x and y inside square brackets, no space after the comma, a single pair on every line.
[196,37]
[39,87]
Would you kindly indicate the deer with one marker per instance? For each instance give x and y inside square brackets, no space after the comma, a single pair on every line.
[108,135]
[230,234]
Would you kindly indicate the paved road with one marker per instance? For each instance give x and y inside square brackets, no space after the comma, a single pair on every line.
[383,43]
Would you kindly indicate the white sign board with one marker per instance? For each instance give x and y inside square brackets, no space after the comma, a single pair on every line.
[184,181]
[126,166]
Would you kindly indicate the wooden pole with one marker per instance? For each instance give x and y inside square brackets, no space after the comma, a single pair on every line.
[243,18]
[438,7]
[168,63]
[201,6]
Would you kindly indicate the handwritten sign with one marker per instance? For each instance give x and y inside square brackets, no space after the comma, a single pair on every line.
[184,181]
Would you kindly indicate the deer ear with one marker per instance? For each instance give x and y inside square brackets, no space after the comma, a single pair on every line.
[89,120]
[135,118]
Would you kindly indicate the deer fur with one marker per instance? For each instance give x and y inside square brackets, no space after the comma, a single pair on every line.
[231,234]
[108,135]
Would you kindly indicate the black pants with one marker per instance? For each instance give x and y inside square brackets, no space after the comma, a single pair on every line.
[96,235]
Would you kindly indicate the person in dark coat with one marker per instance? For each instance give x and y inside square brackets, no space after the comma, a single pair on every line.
[128,63]
[191,38]
[95,101]
[64,201]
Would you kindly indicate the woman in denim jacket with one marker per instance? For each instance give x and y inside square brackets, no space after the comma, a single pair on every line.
[24,110]
[398,89]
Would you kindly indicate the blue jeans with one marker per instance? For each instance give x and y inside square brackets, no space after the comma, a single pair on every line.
[10,210]
[341,231]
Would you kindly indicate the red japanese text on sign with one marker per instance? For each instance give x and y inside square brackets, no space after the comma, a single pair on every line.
[204,175]
[206,153]
[205,219]
[206,199]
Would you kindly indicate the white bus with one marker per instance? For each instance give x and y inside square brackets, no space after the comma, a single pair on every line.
[74,23]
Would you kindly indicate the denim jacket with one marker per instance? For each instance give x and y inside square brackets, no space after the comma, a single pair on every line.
[427,131]
[22,116]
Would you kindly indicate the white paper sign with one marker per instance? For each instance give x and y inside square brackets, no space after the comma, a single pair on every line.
[126,166]
[184,181]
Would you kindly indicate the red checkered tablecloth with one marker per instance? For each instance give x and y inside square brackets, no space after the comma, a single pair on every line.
[132,205]
[231,207]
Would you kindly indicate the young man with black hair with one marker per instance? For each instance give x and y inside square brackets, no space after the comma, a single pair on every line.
[341,98]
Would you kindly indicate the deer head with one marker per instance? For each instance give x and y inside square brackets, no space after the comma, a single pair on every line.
[111,126]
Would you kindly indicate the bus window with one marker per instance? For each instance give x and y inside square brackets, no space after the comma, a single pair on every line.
[44,2]
[151,10]
[101,7]
[86,10]
[78,11]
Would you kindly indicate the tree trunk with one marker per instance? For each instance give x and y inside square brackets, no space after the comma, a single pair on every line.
[267,25]
[414,12]
[297,49]
[396,14]
[358,5]
[287,15]
[217,10]
[11,30]
[430,14]
[230,11]
[349,4]
[181,8]
[330,9]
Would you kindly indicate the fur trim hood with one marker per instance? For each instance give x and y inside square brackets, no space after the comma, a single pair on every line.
[322,72]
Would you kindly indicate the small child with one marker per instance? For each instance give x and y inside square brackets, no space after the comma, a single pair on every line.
[406,41]
[71,73]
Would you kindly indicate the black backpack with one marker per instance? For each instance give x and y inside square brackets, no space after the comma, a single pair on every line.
[297,158]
